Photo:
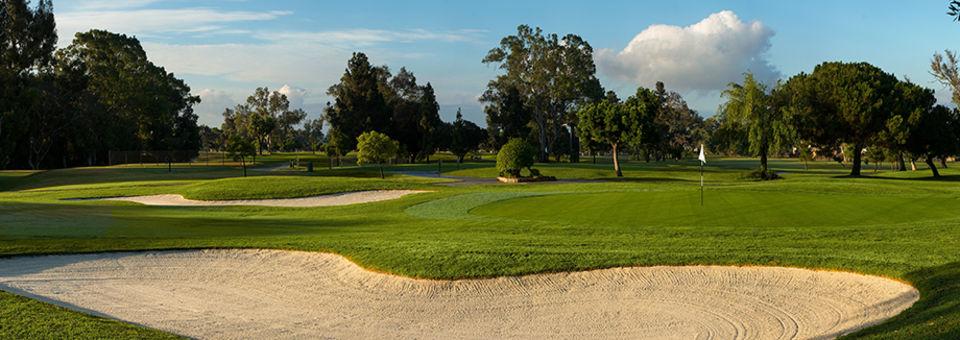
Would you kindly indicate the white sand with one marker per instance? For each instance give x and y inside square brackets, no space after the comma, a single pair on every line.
[270,294]
[314,201]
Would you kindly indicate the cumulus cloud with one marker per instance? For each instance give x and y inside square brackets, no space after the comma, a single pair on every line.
[295,95]
[701,57]
[212,104]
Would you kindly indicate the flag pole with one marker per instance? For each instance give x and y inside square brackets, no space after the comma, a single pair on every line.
[703,159]
[701,184]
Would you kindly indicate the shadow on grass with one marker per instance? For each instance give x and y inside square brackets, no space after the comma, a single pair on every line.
[934,316]
[942,178]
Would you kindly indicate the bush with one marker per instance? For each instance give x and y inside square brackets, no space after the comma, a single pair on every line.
[758,175]
[514,156]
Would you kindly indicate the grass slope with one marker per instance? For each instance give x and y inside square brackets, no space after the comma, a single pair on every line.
[893,224]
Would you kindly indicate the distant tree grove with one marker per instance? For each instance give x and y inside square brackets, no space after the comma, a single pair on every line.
[72,106]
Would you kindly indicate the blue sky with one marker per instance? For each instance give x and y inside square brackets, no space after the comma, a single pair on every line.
[224,49]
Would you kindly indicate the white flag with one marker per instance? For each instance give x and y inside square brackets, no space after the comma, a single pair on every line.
[702,158]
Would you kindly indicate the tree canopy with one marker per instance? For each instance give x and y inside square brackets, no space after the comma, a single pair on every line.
[376,148]
[545,76]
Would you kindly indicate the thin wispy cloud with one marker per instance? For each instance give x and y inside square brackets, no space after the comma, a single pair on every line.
[158,21]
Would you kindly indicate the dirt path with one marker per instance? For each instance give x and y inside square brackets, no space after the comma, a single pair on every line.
[315,201]
[283,294]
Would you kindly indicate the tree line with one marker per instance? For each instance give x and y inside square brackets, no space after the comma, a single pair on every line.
[71,106]
[367,99]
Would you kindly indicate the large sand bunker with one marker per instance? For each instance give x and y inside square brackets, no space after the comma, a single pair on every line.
[315,201]
[283,294]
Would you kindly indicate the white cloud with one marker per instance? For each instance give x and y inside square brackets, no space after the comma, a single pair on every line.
[295,95]
[212,104]
[702,57]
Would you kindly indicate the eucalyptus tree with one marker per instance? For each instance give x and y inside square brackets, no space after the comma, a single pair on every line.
[944,68]
[28,38]
[551,75]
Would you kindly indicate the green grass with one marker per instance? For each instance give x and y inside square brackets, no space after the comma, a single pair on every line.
[900,225]
[290,187]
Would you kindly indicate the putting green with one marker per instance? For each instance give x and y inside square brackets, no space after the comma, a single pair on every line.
[728,208]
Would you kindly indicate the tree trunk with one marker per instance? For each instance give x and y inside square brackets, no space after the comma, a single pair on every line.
[763,164]
[913,164]
[901,165]
[933,168]
[616,160]
[243,164]
[381,171]
[574,146]
[855,167]
[542,132]
[943,162]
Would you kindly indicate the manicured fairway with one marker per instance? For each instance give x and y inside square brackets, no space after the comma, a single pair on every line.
[901,225]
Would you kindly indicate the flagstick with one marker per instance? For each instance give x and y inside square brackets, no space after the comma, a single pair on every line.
[701,183]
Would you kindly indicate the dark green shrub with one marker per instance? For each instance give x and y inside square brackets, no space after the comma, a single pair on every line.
[514,156]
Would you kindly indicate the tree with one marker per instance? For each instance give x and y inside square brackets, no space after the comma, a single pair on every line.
[841,103]
[239,147]
[507,115]
[552,75]
[211,139]
[359,104]
[375,147]
[139,104]
[953,10]
[934,133]
[750,108]
[262,127]
[515,156]
[618,124]
[28,38]
[313,131]
[946,72]
[465,137]
[335,146]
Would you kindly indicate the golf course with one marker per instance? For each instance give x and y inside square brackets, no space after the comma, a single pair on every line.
[896,225]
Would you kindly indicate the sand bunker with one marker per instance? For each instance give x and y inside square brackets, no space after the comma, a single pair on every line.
[282,294]
[315,201]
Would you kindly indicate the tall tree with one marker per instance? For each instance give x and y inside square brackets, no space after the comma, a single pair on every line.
[618,124]
[140,103]
[750,108]
[28,38]
[842,103]
[551,74]
[946,72]
[465,137]
[313,131]
[359,104]
[507,115]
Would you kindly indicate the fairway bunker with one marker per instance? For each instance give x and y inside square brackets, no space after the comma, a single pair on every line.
[346,198]
[289,294]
